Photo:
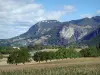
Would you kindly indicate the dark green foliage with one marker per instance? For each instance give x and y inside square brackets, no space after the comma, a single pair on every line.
[24,56]
[7,50]
[85,52]
[20,56]
[43,56]
[67,53]
[37,56]
[51,55]
[90,52]
[60,54]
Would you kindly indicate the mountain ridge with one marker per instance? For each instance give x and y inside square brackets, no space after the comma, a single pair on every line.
[53,32]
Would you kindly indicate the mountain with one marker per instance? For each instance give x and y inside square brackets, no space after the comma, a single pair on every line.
[93,38]
[53,32]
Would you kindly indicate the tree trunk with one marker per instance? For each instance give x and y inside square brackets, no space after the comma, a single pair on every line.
[24,63]
[46,60]
[16,64]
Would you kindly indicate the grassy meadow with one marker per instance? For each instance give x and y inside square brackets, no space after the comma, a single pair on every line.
[79,66]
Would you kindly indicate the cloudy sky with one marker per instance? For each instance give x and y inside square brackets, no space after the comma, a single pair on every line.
[17,16]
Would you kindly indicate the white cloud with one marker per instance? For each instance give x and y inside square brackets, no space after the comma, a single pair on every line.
[5,31]
[98,12]
[90,15]
[69,8]
[22,13]
[86,15]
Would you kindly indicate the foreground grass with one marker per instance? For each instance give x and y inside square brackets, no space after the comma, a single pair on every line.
[89,69]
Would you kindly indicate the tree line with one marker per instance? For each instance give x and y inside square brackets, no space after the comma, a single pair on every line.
[60,54]
[23,55]
[63,53]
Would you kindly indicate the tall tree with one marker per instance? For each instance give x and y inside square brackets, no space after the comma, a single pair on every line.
[20,56]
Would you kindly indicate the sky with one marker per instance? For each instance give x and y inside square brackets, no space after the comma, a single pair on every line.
[17,16]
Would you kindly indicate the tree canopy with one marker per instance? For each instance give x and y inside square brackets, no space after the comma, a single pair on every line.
[20,56]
